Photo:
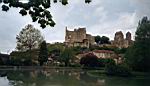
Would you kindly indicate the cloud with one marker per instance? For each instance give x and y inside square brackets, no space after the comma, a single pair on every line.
[10,25]
[142,7]
[100,17]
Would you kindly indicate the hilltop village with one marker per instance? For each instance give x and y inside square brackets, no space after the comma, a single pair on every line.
[80,38]
[83,44]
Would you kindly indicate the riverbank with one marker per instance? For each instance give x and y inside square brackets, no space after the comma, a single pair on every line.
[34,67]
[99,73]
[47,67]
[95,72]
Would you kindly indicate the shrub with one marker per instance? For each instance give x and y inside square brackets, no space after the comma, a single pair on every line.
[101,62]
[110,67]
[123,70]
[118,70]
[89,60]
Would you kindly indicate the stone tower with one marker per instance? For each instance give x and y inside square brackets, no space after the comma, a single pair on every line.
[78,37]
[128,36]
[119,39]
[128,40]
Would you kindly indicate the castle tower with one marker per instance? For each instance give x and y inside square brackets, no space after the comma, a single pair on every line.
[78,37]
[128,40]
[119,39]
[119,36]
[66,36]
[128,36]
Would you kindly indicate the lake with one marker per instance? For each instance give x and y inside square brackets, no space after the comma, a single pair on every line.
[65,77]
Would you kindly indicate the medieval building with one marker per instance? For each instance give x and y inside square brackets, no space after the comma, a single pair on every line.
[78,37]
[121,42]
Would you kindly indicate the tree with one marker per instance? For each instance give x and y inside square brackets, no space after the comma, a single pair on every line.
[138,55]
[29,38]
[97,39]
[24,58]
[1,61]
[43,54]
[66,56]
[89,60]
[55,50]
[102,40]
[37,9]
[105,40]
[112,68]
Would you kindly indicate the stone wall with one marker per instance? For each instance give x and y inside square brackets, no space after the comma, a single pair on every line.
[78,37]
[121,42]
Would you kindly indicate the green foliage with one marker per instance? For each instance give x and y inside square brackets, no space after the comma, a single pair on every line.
[110,67]
[64,2]
[26,58]
[89,60]
[102,40]
[87,1]
[55,50]
[138,55]
[66,56]
[1,62]
[123,70]
[29,38]
[120,50]
[117,69]
[43,54]
[23,12]
[97,39]
[101,62]
[105,40]
[79,49]
[5,8]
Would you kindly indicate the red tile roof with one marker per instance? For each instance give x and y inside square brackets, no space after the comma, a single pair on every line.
[103,51]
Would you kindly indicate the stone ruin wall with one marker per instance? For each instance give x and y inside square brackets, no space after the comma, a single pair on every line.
[78,37]
[121,42]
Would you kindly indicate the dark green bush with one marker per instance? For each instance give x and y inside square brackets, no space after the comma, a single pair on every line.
[101,62]
[118,70]
[89,60]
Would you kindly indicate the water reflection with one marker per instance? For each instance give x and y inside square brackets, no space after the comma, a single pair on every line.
[64,77]
[24,1]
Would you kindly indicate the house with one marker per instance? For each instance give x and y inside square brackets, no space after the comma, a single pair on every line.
[104,53]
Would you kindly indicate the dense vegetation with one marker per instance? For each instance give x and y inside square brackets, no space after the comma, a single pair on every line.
[112,68]
[43,54]
[66,56]
[102,40]
[138,55]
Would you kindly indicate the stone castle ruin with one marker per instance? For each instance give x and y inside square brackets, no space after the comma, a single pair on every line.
[78,37]
[121,42]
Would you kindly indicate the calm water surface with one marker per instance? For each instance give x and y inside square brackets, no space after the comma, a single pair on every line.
[65,77]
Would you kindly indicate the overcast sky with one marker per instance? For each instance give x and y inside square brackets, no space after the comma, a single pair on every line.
[101,17]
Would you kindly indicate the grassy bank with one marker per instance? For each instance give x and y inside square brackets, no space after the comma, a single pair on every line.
[99,73]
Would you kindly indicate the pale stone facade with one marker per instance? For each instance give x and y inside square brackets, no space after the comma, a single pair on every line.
[104,54]
[78,37]
[121,42]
